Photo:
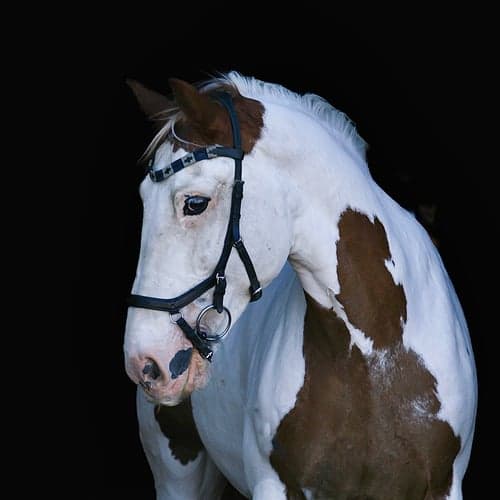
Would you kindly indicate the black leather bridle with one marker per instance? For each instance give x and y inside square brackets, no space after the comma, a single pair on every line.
[201,340]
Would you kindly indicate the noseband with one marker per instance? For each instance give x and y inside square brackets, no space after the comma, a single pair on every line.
[217,280]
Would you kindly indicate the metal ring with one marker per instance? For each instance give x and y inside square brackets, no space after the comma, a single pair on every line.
[212,338]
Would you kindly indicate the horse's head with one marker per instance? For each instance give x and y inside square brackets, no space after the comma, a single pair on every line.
[187,229]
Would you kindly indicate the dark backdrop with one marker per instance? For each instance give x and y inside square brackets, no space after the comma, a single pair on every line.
[416,85]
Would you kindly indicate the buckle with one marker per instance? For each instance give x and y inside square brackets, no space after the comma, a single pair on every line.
[255,294]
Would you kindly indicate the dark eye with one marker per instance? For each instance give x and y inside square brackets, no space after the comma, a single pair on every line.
[195,205]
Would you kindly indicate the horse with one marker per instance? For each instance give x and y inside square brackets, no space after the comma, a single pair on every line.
[292,330]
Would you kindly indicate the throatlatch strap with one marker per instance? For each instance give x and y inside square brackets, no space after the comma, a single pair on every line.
[233,236]
[255,287]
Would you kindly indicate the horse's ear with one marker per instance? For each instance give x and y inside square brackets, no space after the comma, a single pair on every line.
[199,109]
[150,102]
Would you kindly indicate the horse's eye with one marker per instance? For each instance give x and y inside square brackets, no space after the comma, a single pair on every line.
[195,205]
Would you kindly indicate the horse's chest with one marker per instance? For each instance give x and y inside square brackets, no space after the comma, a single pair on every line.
[255,377]
[237,414]
[219,417]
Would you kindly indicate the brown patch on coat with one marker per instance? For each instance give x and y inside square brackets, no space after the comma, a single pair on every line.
[372,301]
[177,424]
[364,427]
[205,121]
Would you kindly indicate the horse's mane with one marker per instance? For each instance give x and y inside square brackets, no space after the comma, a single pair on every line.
[313,105]
[335,121]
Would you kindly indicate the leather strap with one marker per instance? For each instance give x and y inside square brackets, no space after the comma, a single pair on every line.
[190,158]
[199,344]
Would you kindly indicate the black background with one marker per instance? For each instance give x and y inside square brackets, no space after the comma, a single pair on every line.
[416,84]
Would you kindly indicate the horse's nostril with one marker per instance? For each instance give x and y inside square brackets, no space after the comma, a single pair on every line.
[151,370]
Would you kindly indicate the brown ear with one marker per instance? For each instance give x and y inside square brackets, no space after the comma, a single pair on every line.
[151,102]
[201,112]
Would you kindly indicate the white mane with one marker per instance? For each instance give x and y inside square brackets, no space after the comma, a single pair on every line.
[335,121]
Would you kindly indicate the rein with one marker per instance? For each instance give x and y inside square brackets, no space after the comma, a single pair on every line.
[217,280]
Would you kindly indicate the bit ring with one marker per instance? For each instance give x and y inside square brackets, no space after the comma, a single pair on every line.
[212,338]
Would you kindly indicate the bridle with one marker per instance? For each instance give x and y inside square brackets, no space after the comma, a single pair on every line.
[201,340]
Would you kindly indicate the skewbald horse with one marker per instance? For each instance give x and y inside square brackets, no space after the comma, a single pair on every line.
[353,376]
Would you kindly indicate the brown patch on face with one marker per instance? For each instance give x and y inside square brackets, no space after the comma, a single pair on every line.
[372,301]
[177,424]
[364,427]
[216,129]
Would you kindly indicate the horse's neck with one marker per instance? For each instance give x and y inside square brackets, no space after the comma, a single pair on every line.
[355,250]
[327,184]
